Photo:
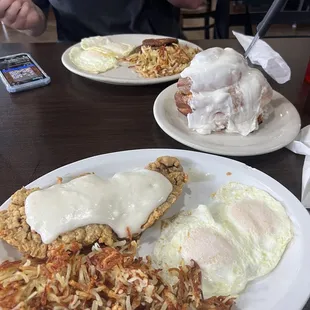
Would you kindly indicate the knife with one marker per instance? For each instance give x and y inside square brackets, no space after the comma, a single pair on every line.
[264,25]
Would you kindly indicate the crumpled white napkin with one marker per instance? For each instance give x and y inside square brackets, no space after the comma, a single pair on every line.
[301,145]
[262,54]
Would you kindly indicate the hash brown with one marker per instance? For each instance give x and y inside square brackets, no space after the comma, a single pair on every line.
[104,278]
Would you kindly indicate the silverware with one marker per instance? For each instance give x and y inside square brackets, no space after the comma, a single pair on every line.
[264,25]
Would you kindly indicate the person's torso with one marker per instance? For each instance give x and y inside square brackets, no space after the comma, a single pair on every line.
[79,18]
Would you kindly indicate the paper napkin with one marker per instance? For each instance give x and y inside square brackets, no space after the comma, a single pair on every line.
[301,145]
[263,55]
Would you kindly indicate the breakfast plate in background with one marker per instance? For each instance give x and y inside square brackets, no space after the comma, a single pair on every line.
[122,74]
[286,287]
[281,128]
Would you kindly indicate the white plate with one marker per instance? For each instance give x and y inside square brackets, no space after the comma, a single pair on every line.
[287,287]
[122,75]
[279,130]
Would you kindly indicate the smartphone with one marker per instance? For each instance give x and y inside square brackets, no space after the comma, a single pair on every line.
[20,72]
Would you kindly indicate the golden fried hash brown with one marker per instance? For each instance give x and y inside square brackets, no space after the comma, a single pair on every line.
[166,60]
[105,278]
[217,303]
[15,230]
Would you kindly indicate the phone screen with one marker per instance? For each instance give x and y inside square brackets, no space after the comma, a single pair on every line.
[19,70]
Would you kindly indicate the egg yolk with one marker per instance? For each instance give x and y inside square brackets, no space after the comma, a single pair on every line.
[252,216]
[207,247]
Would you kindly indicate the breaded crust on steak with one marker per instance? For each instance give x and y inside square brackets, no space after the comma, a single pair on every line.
[16,232]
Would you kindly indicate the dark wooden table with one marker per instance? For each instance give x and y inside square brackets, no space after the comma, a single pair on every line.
[74,118]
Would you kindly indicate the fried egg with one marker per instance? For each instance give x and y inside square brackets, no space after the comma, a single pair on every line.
[91,61]
[195,235]
[106,46]
[258,221]
[241,236]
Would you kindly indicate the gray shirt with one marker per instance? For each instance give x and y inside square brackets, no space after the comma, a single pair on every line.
[77,19]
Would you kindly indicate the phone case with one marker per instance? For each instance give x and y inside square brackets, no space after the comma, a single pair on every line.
[27,86]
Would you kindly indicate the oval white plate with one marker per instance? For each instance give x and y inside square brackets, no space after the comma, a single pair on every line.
[287,287]
[122,75]
[277,131]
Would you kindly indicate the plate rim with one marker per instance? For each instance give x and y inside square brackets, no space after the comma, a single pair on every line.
[121,81]
[158,104]
[300,212]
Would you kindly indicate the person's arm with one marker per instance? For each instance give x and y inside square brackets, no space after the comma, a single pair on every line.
[187,4]
[23,15]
